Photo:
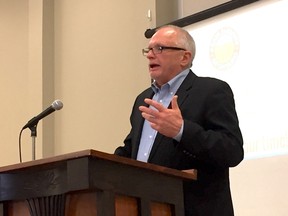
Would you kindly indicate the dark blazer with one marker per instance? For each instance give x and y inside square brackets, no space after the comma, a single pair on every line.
[211,143]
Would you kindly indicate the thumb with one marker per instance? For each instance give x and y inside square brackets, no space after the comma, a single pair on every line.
[174,102]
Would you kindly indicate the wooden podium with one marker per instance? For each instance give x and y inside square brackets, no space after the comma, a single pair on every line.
[91,183]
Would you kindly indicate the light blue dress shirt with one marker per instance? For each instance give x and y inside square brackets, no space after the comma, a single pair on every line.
[164,96]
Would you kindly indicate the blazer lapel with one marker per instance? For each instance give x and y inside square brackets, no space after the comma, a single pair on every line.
[184,88]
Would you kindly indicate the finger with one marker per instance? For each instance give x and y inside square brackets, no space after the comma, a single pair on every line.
[148,117]
[144,109]
[174,102]
[148,111]
[155,104]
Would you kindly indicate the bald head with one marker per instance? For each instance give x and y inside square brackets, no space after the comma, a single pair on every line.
[181,38]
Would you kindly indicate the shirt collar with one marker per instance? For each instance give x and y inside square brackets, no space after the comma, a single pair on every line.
[173,84]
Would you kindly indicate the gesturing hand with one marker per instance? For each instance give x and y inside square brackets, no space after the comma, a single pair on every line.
[166,121]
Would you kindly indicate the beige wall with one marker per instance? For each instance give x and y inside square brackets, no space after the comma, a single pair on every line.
[14,77]
[85,53]
[99,69]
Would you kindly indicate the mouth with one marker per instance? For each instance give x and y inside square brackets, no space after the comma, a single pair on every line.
[153,66]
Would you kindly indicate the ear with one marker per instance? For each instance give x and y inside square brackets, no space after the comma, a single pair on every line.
[186,58]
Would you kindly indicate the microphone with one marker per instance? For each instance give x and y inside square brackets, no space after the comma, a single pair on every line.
[149,33]
[56,105]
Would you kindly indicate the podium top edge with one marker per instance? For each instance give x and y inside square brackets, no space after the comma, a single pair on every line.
[185,174]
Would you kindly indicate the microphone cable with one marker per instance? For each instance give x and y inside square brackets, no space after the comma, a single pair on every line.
[20,154]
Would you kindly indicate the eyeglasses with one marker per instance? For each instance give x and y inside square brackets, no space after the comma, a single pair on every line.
[159,49]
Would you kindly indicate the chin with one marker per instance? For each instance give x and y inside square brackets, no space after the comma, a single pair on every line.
[154,74]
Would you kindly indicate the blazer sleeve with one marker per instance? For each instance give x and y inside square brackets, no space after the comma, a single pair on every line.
[212,135]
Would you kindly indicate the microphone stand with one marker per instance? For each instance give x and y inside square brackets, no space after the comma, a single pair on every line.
[33,135]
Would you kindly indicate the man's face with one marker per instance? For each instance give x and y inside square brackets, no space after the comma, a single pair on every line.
[167,64]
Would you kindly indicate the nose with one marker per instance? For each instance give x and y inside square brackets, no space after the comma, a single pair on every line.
[150,54]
